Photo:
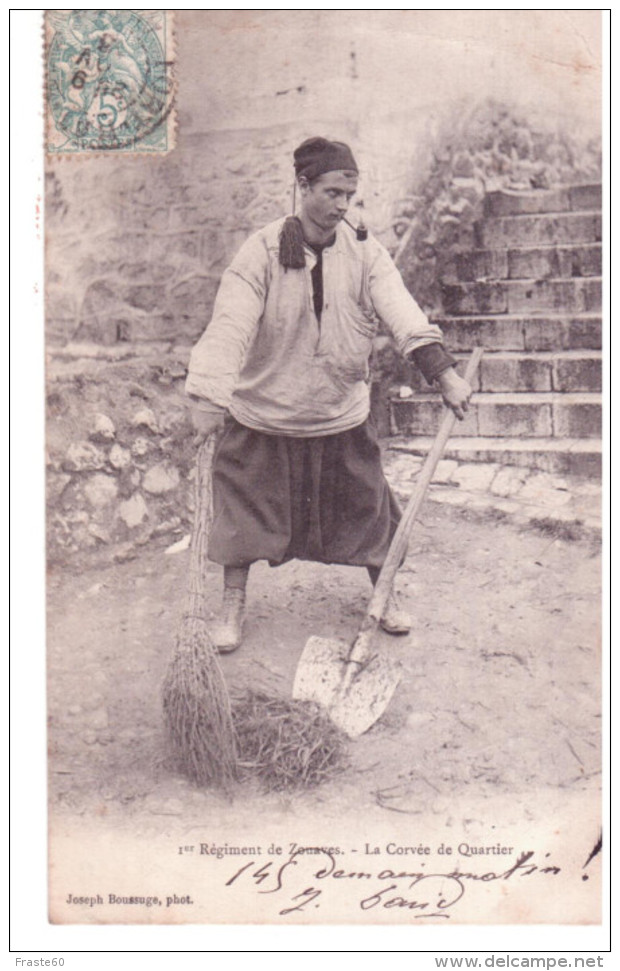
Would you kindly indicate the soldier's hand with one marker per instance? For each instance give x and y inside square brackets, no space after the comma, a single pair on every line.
[206,417]
[455,391]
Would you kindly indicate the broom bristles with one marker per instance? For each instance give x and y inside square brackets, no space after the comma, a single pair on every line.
[197,709]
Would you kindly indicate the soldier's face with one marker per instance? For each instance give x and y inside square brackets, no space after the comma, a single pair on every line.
[326,200]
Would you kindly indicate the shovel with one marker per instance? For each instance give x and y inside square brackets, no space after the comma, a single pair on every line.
[355,684]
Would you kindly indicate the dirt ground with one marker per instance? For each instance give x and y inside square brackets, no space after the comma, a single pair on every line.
[500,695]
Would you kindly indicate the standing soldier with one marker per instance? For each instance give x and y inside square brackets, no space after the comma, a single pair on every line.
[282,372]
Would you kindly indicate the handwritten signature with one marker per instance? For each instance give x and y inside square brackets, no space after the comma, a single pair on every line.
[426,894]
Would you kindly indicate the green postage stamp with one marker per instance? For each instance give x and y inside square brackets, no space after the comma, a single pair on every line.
[109,81]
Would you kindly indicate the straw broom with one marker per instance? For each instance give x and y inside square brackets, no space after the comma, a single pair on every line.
[197,711]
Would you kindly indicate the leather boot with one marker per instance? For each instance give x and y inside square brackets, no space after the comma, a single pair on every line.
[395,618]
[227,629]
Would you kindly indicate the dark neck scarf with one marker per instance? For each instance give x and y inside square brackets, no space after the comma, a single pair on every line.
[317,276]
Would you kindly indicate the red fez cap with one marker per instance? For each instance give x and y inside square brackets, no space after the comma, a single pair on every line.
[316,156]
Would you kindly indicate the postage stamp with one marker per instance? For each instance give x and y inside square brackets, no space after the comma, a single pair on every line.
[109,81]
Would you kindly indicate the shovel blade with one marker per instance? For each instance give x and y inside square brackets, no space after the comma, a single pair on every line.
[353,708]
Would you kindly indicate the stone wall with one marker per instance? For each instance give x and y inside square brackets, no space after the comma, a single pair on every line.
[120,455]
[136,247]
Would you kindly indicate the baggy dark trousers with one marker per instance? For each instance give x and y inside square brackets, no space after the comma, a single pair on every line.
[277,498]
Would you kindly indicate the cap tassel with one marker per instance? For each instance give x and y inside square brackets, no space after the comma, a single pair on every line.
[292,254]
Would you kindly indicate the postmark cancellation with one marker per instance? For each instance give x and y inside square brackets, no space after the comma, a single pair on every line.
[109,82]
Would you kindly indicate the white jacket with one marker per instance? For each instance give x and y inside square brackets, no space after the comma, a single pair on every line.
[266,357]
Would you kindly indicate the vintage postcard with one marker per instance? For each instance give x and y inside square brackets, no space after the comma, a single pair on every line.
[274,242]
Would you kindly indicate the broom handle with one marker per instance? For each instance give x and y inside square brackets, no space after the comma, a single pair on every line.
[203,517]
[400,541]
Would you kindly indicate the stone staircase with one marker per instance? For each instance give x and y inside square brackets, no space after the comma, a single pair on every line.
[530,294]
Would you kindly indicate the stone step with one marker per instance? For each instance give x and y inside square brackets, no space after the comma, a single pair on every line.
[497,415]
[515,332]
[561,262]
[507,202]
[532,230]
[516,371]
[568,456]
[524,263]
[578,295]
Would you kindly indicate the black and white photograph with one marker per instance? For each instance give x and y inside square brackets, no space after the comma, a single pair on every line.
[324,342]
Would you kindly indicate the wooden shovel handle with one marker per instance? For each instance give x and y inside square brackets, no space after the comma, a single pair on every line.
[400,541]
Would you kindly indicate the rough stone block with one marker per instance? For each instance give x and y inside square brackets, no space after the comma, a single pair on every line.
[533,263]
[123,248]
[577,418]
[102,429]
[588,464]
[465,333]
[509,481]
[416,417]
[55,484]
[101,307]
[153,219]
[586,196]
[60,330]
[141,448]
[83,457]
[515,374]
[507,203]
[61,312]
[572,296]
[592,295]
[176,247]
[559,262]
[101,489]
[119,457]
[531,420]
[145,296]
[141,327]
[580,260]
[476,265]
[190,217]
[546,333]
[146,418]
[160,479]
[444,471]
[569,227]
[420,416]
[474,298]
[133,511]
[577,374]
[585,332]
[475,477]
[145,273]
[243,194]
